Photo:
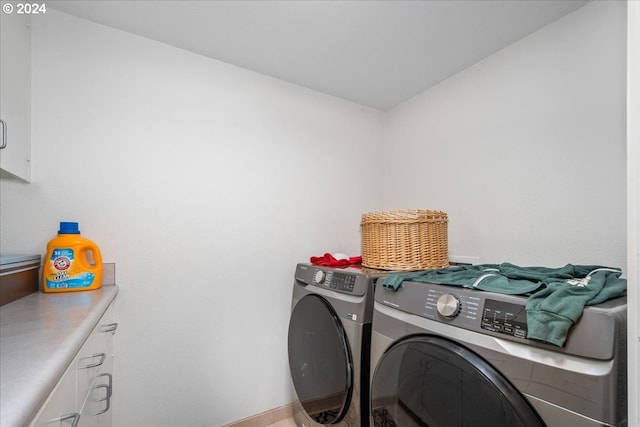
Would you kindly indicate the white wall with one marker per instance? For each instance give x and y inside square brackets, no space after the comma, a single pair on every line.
[525,149]
[205,184]
[633,206]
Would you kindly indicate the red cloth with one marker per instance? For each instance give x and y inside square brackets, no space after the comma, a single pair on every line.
[329,261]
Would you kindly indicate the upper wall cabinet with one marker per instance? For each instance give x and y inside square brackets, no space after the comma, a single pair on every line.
[15,94]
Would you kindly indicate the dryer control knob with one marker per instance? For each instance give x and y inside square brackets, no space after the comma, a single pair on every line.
[448,305]
[319,276]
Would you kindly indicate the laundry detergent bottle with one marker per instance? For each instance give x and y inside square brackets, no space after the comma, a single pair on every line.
[72,263]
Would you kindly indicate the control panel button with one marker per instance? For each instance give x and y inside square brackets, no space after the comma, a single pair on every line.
[343,282]
[448,305]
[319,276]
[505,318]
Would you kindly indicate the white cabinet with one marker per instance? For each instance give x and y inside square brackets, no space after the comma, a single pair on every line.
[15,94]
[82,398]
[95,374]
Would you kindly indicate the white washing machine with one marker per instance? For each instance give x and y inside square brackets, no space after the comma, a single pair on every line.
[446,356]
[329,345]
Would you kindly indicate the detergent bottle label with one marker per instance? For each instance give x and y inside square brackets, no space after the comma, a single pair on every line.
[64,273]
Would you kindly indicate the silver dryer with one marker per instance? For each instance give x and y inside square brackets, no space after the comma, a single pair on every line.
[329,345]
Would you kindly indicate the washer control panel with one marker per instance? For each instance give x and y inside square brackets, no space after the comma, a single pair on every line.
[505,318]
[343,282]
[461,307]
[352,281]
[502,316]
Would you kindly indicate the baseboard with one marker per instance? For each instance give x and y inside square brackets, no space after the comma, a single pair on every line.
[265,418]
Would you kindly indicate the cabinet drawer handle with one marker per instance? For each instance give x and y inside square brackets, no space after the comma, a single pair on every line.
[106,400]
[102,357]
[110,327]
[4,134]
[74,416]
[109,391]
[110,385]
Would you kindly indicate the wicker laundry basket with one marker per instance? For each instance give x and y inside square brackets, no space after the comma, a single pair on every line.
[405,240]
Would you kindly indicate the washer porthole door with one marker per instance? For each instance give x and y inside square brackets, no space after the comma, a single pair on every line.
[320,360]
[428,380]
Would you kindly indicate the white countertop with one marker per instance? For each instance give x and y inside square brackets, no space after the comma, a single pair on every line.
[40,335]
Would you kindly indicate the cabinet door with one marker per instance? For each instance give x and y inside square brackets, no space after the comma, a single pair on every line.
[96,411]
[15,94]
[102,389]
[60,408]
[95,374]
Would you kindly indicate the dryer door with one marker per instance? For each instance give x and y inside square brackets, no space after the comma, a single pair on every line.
[428,380]
[320,360]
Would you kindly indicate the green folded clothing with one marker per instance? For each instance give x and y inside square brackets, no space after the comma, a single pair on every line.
[557,296]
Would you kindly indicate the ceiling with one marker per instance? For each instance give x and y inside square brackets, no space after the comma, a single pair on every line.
[375,53]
